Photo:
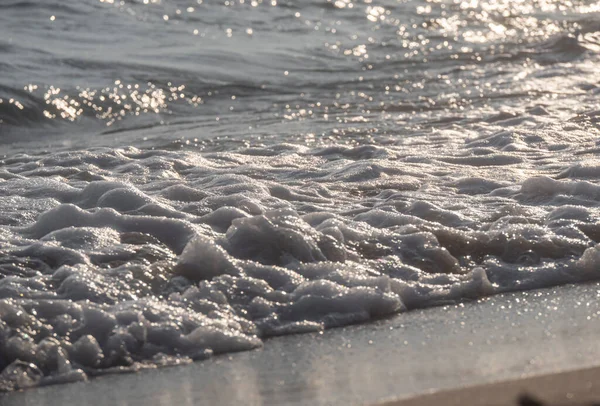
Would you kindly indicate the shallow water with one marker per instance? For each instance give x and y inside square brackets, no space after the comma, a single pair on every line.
[500,338]
[183,178]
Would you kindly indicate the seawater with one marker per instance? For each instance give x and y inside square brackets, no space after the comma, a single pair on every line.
[184,178]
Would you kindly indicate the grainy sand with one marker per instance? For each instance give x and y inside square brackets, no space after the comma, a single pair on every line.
[579,387]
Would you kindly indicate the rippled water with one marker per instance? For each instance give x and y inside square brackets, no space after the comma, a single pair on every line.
[182,178]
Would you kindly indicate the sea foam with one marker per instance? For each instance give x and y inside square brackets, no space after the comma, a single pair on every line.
[163,257]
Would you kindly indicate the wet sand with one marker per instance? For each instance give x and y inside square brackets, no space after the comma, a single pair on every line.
[578,387]
[417,358]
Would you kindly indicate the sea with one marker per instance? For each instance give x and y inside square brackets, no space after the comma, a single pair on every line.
[186,178]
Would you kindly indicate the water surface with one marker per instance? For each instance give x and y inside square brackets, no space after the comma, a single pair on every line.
[184,178]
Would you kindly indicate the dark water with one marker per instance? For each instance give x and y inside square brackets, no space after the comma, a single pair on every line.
[183,178]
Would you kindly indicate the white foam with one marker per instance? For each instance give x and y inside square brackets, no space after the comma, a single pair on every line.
[203,259]
[175,256]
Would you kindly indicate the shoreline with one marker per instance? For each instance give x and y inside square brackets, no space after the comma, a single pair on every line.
[576,387]
[485,349]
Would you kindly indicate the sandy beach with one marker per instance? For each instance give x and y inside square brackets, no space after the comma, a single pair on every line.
[578,387]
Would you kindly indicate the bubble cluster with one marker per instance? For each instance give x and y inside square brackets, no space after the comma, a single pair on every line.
[124,259]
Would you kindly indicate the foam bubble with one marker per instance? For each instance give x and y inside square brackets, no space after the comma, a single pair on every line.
[134,259]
